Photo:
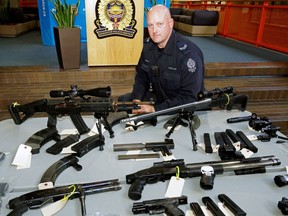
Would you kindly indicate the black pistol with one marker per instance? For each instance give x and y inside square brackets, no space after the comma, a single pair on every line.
[157,206]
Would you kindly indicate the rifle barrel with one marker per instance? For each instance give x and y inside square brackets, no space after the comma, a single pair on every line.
[195,105]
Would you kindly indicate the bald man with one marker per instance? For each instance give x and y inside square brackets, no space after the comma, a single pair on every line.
[170,70]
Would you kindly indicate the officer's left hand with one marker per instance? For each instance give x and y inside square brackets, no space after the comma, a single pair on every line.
[144,109]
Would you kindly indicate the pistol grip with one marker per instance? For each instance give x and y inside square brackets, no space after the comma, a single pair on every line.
[135,190]
[171,209]
[20,210]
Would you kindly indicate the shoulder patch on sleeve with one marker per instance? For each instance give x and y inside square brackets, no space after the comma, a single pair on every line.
[191,65]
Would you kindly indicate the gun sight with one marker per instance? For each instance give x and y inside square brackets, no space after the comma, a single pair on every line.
[75,92]
[216,91]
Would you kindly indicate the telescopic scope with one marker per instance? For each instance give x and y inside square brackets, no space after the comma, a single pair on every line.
[205,94]
[74,92]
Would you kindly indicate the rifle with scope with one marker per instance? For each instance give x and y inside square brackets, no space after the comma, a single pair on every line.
[223,98]
[74,103]
[162,171]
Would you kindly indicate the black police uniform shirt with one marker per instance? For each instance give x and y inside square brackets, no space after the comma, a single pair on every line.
[180,72]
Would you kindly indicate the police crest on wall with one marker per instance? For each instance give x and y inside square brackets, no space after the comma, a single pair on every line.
[115,18]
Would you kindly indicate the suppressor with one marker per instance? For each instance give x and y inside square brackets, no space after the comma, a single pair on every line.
[137,156]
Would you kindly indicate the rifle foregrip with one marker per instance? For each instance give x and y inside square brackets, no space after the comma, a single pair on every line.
[79,123]
[135,190]
[173,210]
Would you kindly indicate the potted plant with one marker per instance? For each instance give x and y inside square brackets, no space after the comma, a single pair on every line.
[67,36]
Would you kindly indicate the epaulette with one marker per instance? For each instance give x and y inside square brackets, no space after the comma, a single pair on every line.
[183,47]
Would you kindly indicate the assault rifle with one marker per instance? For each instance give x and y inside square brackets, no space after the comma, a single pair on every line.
[162,171]
[75,102]
[39,198]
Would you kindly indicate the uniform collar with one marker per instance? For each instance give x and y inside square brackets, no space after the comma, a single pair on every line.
[169,46]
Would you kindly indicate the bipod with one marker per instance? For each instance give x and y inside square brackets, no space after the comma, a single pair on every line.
[99,117]
[188,116]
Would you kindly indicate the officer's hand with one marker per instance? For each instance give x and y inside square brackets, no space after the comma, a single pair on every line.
[144,109]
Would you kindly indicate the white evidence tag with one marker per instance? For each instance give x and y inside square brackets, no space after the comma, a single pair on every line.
[214,147]
[131,126]
[94,129]
[206,211]
[252,137]
[224,209]
[237,145]
[66,132]
[54,207]
[23,157]
[168,157]
[246,152]
[68,150]
[175,187]
[45,185]
[190,213]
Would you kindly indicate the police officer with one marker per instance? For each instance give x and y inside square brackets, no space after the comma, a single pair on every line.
[170,70]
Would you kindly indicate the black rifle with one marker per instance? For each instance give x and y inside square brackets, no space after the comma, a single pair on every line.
[221,98]
[157,206]
[39,198]
[100,104]
[163,171]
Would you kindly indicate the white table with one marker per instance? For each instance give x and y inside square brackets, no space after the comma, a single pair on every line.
[256,194]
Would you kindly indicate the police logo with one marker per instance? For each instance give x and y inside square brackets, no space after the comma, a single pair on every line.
[115,18]
[191,65]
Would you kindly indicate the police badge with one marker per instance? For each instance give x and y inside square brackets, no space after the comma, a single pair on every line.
[191,65]
[115,18]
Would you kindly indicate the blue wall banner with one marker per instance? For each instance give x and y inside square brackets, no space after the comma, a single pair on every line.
[47,21]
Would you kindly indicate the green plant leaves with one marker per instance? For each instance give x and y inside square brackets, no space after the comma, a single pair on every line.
[64,13]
